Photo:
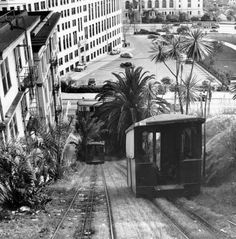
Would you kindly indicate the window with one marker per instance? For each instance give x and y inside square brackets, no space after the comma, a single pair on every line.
[164,4]
[76,53]
[13,127]
[18,58]
[171,3]
[6,80]
[36,6]
[149,3]
[60,61]
[43,5]
[66,58]
[26,51]
[71,56]
[75,37]
[189,3]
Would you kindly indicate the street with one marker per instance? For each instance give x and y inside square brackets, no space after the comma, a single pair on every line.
[102,70]
[140,47]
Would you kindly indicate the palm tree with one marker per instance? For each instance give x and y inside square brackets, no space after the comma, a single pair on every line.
[197,47]
[164,49]
[123,101]
[189,90]
[152,104]
[88,128]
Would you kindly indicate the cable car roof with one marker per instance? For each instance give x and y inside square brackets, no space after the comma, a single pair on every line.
[166,119]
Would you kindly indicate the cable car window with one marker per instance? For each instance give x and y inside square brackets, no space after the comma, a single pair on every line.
[147,146]
[187,150]
[158,150]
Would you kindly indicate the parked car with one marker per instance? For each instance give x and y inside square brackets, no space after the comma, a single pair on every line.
[115,52]
[126,64]
[189,61]
[80,67]
[213,30]
[153,36]
[126,55]
[91,82]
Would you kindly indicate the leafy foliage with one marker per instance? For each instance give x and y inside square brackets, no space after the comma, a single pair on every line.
[89,129]
[19,185]
[51,141]
[128,100]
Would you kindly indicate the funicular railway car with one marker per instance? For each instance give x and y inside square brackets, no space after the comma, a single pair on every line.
[164,155]
[95,152]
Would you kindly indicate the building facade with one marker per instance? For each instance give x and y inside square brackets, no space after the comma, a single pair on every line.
[164,7]
[86,30]
[232,2]
[24,38]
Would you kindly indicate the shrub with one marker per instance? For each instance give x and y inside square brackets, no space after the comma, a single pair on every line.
[19,185]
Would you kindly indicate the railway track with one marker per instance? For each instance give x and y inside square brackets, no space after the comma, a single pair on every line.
[194,216]
[210,231]
[83,207]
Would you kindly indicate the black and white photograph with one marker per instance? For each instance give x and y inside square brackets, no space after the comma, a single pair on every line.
[117,119]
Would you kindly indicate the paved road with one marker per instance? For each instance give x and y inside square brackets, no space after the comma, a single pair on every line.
[102,69]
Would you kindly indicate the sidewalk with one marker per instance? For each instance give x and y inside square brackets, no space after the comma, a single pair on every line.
[232,46]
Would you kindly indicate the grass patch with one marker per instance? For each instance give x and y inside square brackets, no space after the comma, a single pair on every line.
[225,60]
[230,38]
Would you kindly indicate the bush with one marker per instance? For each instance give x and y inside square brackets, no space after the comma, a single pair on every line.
[65,87]
[19,184]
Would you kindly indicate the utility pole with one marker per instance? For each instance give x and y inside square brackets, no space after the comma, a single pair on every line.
[140,11]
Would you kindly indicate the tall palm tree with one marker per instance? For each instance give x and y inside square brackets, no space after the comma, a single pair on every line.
[123,101]
[164,49]
[196,46]
[189,90]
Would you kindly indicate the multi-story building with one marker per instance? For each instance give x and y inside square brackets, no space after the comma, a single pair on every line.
[232,2]
[86,30]
[26,60]
[165,7]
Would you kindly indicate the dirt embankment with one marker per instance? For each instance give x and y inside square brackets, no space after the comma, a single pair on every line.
[221,149]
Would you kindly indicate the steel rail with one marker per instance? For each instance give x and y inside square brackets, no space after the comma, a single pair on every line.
[178,227]
[219,234]
[70,205]
[109,209]
[89,207]
[173,223]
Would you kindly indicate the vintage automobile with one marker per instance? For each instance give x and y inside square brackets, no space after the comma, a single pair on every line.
[126,64]
[189,61]
[115,52]
[126,55]
[80,67]
[91,82]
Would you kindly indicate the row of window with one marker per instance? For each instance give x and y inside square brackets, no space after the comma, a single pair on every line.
[4,67]
[93,55]
[94,29]
[111,6]
[101,8]
[88,46]
[155,4]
